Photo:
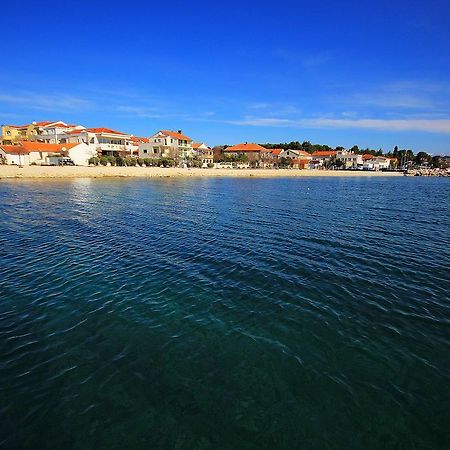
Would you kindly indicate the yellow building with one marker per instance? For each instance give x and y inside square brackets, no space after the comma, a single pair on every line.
[12,134]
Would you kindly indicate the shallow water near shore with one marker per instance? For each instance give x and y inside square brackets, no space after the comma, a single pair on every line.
[225,313]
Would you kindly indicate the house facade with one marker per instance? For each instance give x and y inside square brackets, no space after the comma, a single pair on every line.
[255,154]
[54,132]
[32,152]
[299,158]
[349,159]
[203,152]
[47,132]
[105,141]
[12,134]
[173,144]
[377,163]
[322,158]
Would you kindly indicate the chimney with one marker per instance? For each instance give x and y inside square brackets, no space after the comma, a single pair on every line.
[179,131]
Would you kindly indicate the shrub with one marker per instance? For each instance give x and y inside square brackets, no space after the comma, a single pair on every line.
[111,160]
[148,162]
[120,161]
[195,163]
[94,160]
[130,161]
[210,165]
[104,160]
[140,161]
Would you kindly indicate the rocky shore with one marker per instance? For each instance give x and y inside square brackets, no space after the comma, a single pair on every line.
[428,173]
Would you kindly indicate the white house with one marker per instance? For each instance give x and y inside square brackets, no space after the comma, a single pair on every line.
[173,144]
[54,132]
[322,158]
[105,141]
[299,158]
[29,152]
[350,159]
[15,155]
[203,152]
[377,163]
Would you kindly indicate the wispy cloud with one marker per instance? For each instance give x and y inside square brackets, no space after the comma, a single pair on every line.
[424,125]
[399,95]
[258,105]
[58,103]
[390,125]
[390,100]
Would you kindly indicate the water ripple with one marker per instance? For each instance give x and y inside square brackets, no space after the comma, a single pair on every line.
[225,313]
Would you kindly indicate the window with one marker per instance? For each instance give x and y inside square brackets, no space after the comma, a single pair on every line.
[145,150]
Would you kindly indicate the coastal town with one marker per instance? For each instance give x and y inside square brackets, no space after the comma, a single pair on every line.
[58,143]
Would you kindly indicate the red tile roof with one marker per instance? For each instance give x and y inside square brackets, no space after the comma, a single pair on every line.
[303,154]
[139,139]
[175,135]
[44,147]
[104,130]
[276,151]
[26,147]
[14,149]
[367,156]
[324,153]
[247,147]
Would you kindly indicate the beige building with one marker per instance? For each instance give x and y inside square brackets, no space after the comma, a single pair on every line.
[255,154]
[203,152]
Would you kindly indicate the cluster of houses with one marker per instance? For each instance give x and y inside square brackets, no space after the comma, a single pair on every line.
[42,143]
[257,155]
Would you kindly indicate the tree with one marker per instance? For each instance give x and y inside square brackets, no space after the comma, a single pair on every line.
[284,162]
[306,146]
[422,158]
[439,162]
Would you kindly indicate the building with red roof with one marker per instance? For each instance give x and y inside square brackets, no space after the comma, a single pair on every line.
[41,153]
[173,144]
[255,154]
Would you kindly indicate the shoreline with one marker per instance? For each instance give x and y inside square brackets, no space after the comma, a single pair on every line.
[52,172]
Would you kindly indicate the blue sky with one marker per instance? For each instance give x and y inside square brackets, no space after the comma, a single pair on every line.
[351,72]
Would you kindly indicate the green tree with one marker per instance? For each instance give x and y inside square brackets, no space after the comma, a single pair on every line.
[423,158]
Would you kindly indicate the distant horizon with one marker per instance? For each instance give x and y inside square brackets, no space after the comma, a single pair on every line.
[354,73]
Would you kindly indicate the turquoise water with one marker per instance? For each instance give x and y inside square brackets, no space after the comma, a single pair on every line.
[225,314]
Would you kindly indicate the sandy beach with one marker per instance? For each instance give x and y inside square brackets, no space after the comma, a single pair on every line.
[157,172]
